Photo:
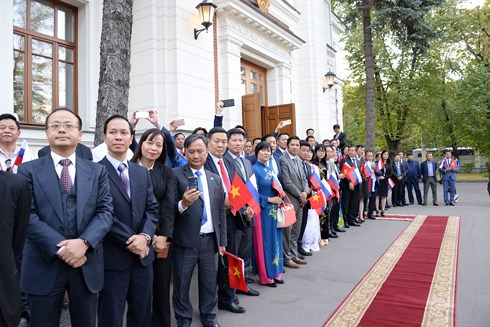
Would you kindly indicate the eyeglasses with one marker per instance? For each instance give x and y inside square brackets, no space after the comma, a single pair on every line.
[66,126]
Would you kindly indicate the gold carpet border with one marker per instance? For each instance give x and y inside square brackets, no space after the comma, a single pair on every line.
[439,310]
[356,304]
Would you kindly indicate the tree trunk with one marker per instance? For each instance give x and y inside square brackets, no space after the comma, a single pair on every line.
[115,55]
[369,68]
[393,145]
[454,143]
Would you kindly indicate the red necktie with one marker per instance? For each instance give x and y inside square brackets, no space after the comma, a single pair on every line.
[224,175]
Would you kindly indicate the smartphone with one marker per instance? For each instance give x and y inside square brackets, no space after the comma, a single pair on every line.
[228,103]
[192,183]
[179,122]
[286,122]
[142,114]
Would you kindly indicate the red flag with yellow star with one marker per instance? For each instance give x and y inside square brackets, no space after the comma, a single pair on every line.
[317,200]
[239,194]
[236,276]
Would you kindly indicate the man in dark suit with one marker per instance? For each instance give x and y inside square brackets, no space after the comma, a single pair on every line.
[428,169]
[224,167]
[70,215]
[305,154]
[82,151]
[412,177]
[236,139]
[15,201]
[274,162]
[295,185]
[199,234]
[350,192]
[399,179]
[282,145]
[339,136]
[127,256]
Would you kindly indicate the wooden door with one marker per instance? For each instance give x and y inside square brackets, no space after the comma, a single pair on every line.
[271,116]
[251,116]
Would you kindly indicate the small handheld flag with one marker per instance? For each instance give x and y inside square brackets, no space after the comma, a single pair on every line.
[391,184]
[236,276]
[239,194]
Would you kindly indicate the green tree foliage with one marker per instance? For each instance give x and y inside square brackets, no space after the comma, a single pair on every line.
[432,77]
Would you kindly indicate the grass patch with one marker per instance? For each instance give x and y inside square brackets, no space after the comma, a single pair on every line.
[472,177]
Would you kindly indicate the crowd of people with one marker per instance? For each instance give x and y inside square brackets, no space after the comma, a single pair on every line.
[105,232]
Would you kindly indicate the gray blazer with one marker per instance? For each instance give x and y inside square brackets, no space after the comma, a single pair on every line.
[293,179]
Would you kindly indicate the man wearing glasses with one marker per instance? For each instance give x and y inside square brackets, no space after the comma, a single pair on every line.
[71,213]
[9,133]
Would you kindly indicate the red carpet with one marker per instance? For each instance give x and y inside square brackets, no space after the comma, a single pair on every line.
[412,284]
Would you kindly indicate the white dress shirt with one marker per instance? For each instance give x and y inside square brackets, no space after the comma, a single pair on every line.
[71,168]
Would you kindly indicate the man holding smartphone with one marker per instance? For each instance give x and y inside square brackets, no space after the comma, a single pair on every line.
[199,233]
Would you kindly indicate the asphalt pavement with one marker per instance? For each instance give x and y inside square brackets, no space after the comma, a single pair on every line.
[312,293]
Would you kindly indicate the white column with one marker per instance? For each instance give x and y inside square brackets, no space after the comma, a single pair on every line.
[230,79]
[6,58]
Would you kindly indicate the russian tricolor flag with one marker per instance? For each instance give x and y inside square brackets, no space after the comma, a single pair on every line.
[19,158]
[381,164]
[315,181]
[327,190]
[391,184]
[355,176]
[254,203]
[368,172]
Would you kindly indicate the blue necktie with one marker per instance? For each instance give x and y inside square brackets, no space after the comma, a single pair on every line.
[201,189]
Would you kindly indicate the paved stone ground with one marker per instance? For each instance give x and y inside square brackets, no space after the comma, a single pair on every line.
[314,291]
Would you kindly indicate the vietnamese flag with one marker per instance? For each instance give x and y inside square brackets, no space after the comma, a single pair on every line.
[236,276]
[345,168]
[453,164]
[239,194]
[276,185]
[381,164]
[317,200]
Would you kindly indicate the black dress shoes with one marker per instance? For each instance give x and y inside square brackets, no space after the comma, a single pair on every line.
[354,224]
[339,230]
[302,257]
[232,307]
[435,204]
[305,253]
[346,225]
[251,292]
[371,217]
[212,325]
[273,284]
[278,281]
[332,235]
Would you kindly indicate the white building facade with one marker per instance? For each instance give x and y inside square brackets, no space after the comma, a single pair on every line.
[278,50]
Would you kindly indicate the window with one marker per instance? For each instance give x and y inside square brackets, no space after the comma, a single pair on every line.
[44,58]
[253,80]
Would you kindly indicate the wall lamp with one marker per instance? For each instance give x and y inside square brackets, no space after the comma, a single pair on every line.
[206,13]
[329,79]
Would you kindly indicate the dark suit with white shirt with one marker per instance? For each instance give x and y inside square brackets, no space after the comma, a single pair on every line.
[56,215]
[194,244]
[127,277]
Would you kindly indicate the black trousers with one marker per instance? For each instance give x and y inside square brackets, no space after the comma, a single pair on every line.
[350,204]
[162,272]
[46,309]
[306,207]
[226,295]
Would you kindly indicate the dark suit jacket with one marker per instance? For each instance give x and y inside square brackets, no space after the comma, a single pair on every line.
[342,139]
[188,223]
[15,201]
[278,153]
[131,216]
[46,223]
[163,181]
[424,170]
[82,151]
[344,184]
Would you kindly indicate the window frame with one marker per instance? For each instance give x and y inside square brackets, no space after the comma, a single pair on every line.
[56,43]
